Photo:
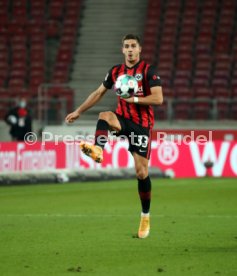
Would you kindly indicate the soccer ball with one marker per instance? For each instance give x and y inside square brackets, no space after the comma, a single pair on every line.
[126,86]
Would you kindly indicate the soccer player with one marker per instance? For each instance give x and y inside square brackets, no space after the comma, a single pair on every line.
[133,118]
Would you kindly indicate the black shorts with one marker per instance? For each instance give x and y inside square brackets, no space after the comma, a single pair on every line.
[139,137]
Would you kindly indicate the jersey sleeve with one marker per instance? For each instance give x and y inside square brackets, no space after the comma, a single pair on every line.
[153,77]
[108,81]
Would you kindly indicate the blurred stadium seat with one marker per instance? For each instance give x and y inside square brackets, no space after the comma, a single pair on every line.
[197,49]
[26,31]
[192,43]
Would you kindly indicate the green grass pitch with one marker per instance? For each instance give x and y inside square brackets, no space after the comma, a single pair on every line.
[90,229]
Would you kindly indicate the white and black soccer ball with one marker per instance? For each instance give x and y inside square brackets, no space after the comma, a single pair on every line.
[125,86]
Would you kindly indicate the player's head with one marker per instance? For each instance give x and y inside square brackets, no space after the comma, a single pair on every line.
[131,36]
[131,47]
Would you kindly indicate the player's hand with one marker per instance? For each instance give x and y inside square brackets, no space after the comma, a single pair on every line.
[129,100]
[71,117]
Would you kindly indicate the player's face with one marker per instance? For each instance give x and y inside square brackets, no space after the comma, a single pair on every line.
[131,50]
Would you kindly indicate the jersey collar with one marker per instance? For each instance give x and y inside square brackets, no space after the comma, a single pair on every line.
[134,66]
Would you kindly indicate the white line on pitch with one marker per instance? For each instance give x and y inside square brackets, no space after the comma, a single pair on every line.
[116,215]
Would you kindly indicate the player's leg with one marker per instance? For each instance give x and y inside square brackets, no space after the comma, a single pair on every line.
[107,121]
[140,146]
[144,190]
[144,182]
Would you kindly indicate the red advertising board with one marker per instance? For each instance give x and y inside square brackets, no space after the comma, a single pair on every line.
[217,134]
[175,157]
[23,157]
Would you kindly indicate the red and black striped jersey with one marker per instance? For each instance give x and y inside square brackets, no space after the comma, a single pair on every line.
[147,77]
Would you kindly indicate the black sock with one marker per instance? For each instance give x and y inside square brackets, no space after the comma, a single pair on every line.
[101,133]
[144,190]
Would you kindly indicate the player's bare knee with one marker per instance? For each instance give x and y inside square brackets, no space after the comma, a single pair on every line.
[104,116]
[141,173]
[107,116]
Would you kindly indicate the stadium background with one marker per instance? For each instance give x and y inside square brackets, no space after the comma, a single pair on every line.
[55,52]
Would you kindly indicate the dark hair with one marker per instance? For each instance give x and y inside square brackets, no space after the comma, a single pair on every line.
[131,36]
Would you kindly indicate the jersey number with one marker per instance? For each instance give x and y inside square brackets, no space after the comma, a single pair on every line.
[142,141]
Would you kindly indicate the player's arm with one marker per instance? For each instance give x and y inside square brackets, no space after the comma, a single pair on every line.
[93,98]
[155,98]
